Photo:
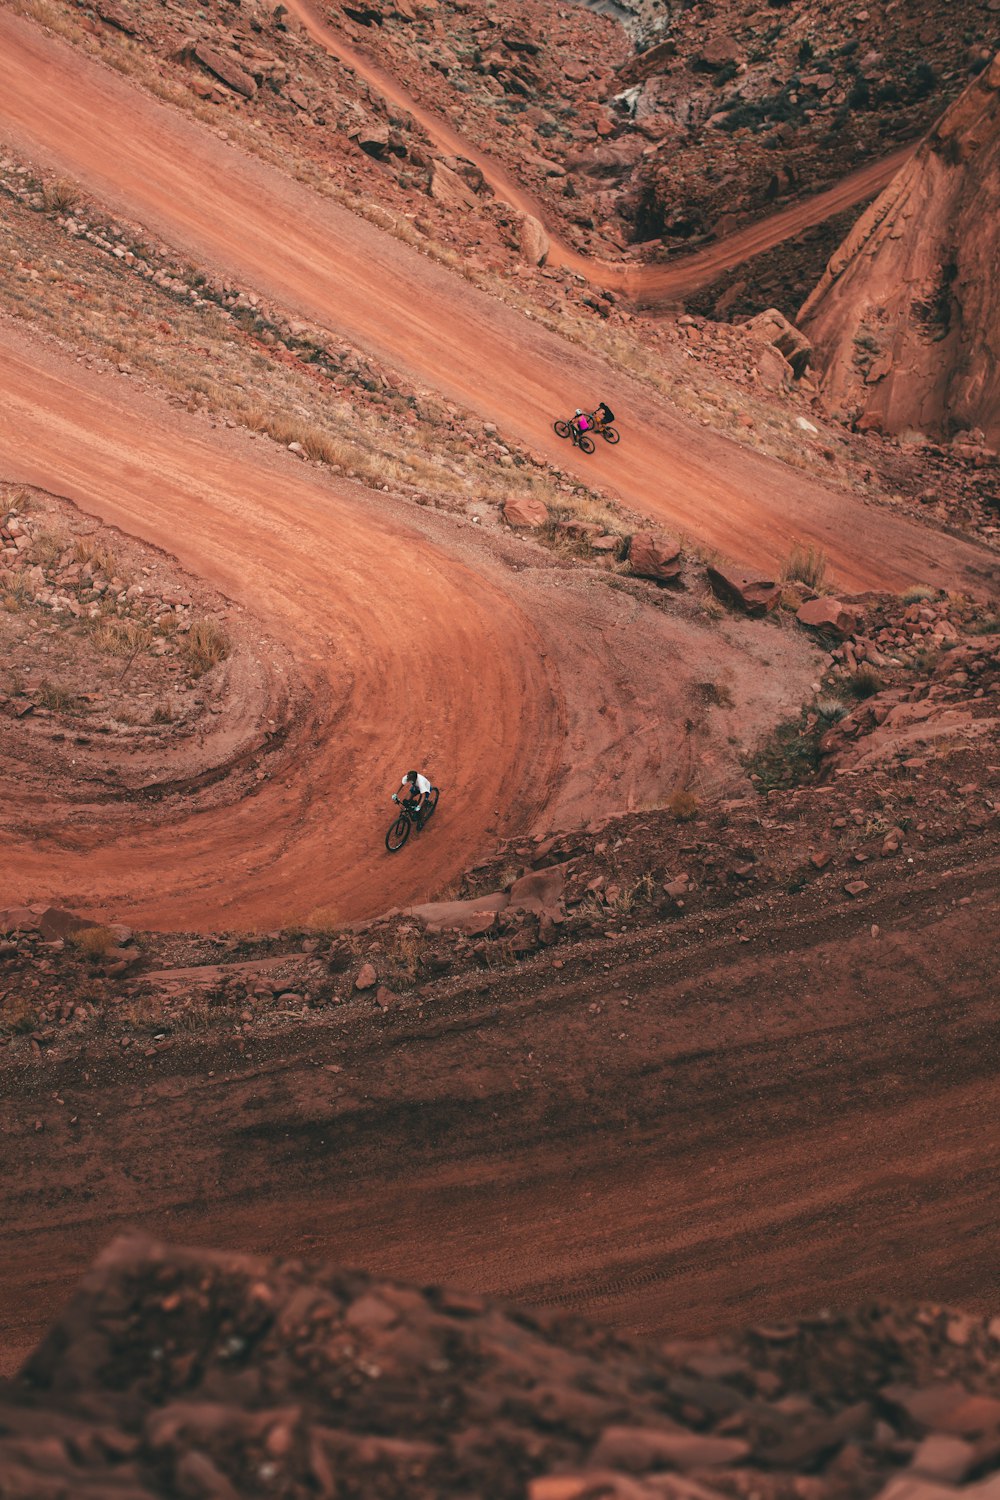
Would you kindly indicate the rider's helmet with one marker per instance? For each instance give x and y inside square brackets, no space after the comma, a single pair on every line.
[410,776]
[578,412]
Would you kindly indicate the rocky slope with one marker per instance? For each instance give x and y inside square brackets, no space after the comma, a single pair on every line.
[906,320]
[208,1375]
[743,105]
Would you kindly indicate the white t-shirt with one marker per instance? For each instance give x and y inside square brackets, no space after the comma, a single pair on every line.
[422,784]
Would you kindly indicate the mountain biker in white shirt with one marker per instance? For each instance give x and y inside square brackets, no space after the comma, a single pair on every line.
[415,789]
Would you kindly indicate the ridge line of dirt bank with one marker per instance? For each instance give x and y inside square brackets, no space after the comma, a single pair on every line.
[638,1144]
[311,256]
[646,284]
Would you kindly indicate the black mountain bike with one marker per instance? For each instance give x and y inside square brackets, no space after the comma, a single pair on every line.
[583,440]
[410,817]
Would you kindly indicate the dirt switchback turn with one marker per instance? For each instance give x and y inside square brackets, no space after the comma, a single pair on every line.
[344,588]
[234,213]
[530,693]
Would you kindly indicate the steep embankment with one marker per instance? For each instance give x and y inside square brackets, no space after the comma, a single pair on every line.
[906,320]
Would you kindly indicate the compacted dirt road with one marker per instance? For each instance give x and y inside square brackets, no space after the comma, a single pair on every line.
[311,257]
[342,588]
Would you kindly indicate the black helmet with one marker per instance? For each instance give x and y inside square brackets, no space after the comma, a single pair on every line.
[410,776]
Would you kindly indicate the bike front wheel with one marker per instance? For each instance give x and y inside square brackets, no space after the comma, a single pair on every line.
[586,443]
[561,429]
[398,834]
[610,435]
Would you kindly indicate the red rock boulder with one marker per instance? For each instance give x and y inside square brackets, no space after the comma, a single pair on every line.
[50,922]
[830,616]
[653,554]
[754,593]
[524,510]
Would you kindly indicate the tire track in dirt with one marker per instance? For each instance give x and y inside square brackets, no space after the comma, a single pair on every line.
[309,256]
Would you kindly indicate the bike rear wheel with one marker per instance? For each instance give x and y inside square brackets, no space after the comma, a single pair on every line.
[398,834]
[561,429]
[586,443]
[430,805]
[610,435]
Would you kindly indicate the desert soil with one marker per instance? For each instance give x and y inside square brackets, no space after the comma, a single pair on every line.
[690,1132]
[677,1130]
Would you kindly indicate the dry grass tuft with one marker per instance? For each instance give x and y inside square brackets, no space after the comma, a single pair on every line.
[122,637]
[806,565]
[60,196]
[100,558]
[53,696]
[48,546]
[205,645]
[919,593]
[683,805]
[864,683]
[15,591]
[94,942]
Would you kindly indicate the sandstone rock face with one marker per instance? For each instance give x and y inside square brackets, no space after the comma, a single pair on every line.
[655,555]
[773,369]
[523,510]
[906,321]
[448,188]
[752,592]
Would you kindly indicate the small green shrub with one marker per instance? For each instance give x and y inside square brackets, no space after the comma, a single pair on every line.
[790,755]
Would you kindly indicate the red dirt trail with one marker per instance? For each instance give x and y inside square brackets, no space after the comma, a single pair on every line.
[318,260]
[379,633]
[342,588]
